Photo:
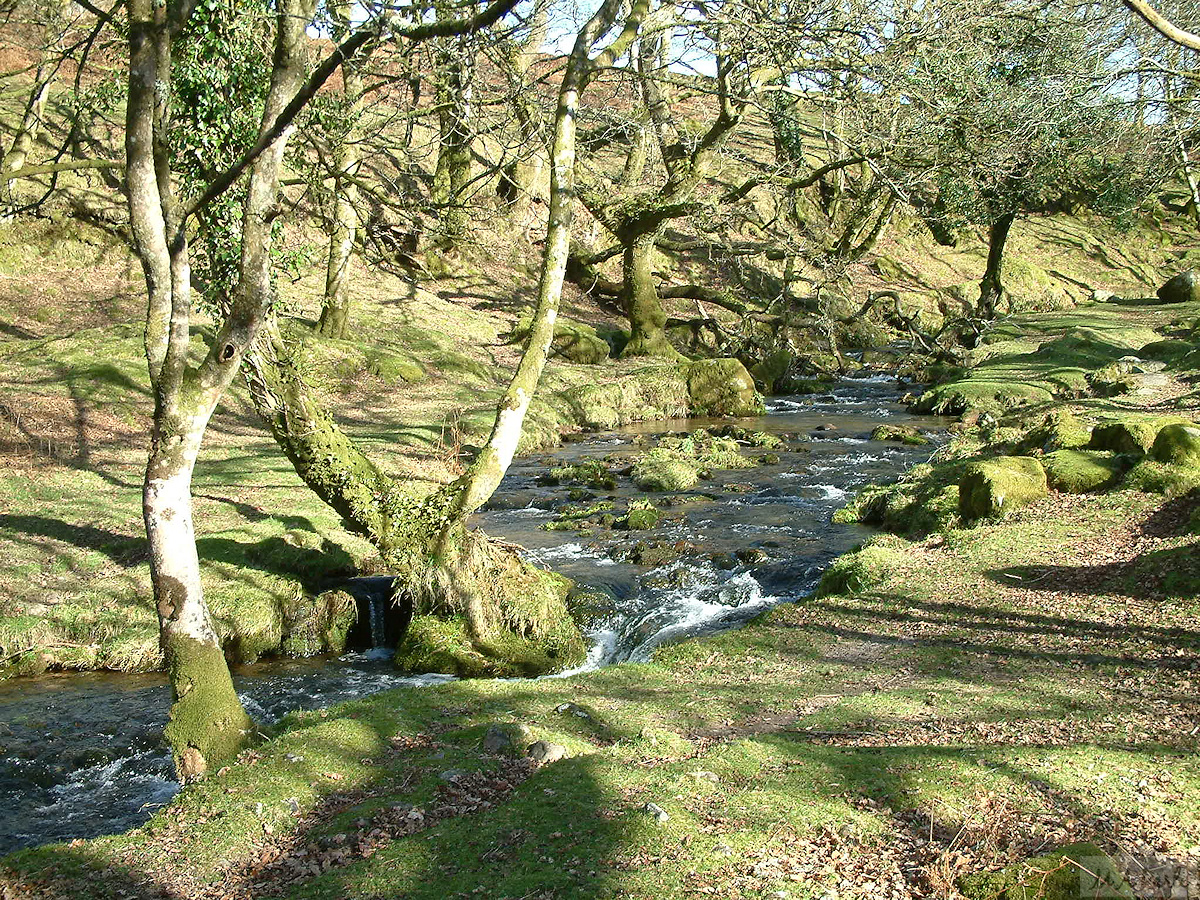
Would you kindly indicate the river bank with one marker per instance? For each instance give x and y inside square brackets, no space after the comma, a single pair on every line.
[972,698]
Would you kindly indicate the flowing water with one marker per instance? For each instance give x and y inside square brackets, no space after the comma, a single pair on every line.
[82,755]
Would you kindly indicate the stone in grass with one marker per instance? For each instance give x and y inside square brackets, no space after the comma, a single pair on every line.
[505,739]
[1178,445]
[991,488]
[1081,471]
[1069,873]
[902,434]
[545,752]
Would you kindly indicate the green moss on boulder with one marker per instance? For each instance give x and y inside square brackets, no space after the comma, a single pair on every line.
[1060,430]
[901,434]
[721,387]
[1069,873]
[1131,436]
[992,488]
[665,470]
[1178,444]
[772,369]
[1082,471]
[984,396]
[653,392]
[858,572]
[576,342]
[1153,477]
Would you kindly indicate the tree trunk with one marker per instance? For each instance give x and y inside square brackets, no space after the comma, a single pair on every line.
[647,319]
[991,288]
[335,310]
[208,724]
[453,172]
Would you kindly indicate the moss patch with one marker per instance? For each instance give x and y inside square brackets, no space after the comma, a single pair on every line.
[1081,471]
[993,488]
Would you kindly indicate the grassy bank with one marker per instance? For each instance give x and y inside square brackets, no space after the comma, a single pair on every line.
[990,693]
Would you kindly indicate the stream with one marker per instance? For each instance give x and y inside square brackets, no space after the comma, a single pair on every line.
[82,754]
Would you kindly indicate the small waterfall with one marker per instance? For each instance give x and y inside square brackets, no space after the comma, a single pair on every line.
[377,610]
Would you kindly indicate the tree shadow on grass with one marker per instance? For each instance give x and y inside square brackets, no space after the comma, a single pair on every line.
[275,555]
[434,817]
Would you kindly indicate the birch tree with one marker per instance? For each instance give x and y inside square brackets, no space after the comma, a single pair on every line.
[207,722]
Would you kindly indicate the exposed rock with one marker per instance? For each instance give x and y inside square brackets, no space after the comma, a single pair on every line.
[751,556]
[505,738]
[723,561]
[721,387]
[572,710]
[992,488]
[659,814]
[901,434]
[544,752]
[1181,288]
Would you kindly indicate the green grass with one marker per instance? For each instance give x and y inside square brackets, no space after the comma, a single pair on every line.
[970,692]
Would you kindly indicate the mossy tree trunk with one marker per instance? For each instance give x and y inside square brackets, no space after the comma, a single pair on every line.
[455,86]
[425,540]
[639,297]
[335,309]
[991,287]
[207,721]
[638,217]
[523,174]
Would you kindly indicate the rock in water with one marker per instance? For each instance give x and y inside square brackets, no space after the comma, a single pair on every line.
[1181,288]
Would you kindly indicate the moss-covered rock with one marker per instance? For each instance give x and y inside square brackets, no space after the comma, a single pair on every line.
[863,569]
[901,434]
[664,470]
[1181,288]
[772,369]
[576,342]
[1069,873]
[924,501]
[1082,471]
[642,516]
[992,488]
[1060,430]
[653,392]
[721,387]
[1133,436]
[1153,477]
[1178,445]
[984,396]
